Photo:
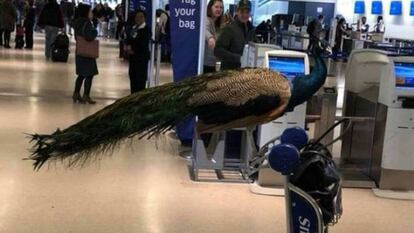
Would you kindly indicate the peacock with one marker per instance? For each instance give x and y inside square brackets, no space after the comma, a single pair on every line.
[221,101]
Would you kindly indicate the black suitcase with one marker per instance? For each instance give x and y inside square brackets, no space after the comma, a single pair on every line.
[61,41]
[60,48]
[60,55]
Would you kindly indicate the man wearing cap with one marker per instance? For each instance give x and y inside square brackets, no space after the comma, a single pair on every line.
[229,50]
[230,44]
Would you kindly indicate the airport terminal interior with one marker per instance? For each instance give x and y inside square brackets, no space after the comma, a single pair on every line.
[238,180]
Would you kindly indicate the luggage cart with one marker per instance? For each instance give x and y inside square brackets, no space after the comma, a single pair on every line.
[302,211]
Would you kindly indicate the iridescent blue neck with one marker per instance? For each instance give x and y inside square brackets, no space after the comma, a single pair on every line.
[304,87]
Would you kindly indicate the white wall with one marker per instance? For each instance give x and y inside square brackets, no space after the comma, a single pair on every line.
[227,3]
[401,27]
[266,11]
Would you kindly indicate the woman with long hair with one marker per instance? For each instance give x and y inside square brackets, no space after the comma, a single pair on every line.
[86,67]
[214,24]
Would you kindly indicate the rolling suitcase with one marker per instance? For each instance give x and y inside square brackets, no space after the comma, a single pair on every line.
[60,48]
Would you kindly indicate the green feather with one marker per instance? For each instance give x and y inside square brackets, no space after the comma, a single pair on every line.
[145,114]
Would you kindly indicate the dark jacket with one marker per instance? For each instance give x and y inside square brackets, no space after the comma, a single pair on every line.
[51,16]
[30,17]
[139,40]
[8,16]
[315,28]
[67,8]
[108,14]
[97,14]
[85,66]
[231,42]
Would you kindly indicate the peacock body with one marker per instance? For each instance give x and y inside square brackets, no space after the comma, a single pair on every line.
[221,101]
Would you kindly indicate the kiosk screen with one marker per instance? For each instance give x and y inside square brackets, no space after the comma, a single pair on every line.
[404,74]
[290,67]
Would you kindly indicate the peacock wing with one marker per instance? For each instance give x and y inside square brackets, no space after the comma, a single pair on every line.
[244,98]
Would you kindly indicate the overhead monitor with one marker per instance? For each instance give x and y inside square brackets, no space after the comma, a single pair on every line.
[376,8]
[404,75]
[396,8]
[359,7]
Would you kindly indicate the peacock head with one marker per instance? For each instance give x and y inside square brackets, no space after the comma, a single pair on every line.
[305,86]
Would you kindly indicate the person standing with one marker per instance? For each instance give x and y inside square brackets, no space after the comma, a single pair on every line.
[214,24]
[29,22]
[229,49]
[98,17]
[364,27]
[108,14]
[86,68]
[230,44]
[162,33]
[138,40]
[1,20]
[39,4]
[51,19]
[120,15]
[8,21]
[67,9]
[314,30]
[341,30]
[380,26]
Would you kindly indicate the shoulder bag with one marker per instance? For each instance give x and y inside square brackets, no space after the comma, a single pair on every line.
[84,48]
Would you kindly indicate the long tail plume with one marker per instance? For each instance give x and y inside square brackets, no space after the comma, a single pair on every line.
[145,114]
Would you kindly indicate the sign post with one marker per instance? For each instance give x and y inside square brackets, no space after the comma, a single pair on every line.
[187,40]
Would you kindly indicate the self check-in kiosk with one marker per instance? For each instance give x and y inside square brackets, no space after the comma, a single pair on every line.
[290,64]
[395,129]
[365,68]
[254,54]
[379,94]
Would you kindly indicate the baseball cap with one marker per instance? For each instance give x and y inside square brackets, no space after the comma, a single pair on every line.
[244,4]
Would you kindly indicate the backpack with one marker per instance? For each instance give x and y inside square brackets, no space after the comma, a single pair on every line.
[60,48]
[318,176]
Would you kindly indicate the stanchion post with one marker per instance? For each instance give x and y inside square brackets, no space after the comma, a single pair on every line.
[203,13]
[288,204]
[158,66]
[152,76]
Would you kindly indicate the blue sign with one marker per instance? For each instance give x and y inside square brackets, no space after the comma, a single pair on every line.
[359,7]
[396,8]
[376,8]
[144,5]
[304,216]
[185,35]
[412,9]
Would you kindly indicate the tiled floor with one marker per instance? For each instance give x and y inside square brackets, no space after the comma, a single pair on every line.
[140,189]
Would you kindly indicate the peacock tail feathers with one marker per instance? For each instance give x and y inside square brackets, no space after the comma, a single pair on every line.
[220,100]
[145,114]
